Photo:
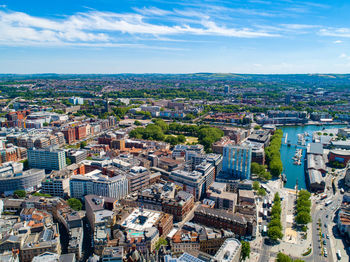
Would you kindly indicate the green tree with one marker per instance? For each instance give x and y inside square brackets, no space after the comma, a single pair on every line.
[277,197]
[46,124]
[303,217]
[75,204]
[181,138]
[256,185]
[20,193]
[83,144]
[283,258]
[68,161]
[161,242]
[172,140]
[261,192]
[137,123]
[275,233]
[245,252]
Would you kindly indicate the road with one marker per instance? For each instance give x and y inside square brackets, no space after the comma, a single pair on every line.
[325,214]
[10,103]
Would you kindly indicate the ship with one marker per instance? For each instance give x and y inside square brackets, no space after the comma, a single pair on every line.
[284,178]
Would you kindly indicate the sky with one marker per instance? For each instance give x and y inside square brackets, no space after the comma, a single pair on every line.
[183,36]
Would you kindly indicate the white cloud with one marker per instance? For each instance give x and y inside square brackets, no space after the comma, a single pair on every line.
[336,32]
[299,26]
[337,42]
[344,56]
[107,27]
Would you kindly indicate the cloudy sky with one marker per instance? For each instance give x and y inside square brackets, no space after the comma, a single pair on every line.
[183,36]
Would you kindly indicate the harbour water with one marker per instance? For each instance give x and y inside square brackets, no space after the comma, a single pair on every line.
[296,172]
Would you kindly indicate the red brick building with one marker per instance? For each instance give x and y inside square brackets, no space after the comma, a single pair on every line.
[80,132]
[69,135]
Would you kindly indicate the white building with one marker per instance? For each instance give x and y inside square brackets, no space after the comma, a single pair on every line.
[94,183]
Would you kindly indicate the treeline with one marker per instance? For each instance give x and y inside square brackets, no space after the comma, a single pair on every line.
[158,129]
[273,155]
[303,208]
[165,93]
[275,226]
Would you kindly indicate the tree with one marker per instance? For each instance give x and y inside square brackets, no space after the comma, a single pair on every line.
[283,258]
[161,242]
[275,223]
[20,193]
[172,140]
[303,217]
[245,252]
[256,185]
[261,192]
[275,233]
[137,123]
[257,127]
[83,144]
[181,138]
[277,197]
[46,124]
[75,204]
[25,164]
[68,161]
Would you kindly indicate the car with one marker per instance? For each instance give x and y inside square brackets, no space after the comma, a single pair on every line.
[327,236]
[325,254]
[324,242]
[327,216]
[323,235]
[325,225]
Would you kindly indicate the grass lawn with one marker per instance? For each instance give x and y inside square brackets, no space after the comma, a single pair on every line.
[191,139]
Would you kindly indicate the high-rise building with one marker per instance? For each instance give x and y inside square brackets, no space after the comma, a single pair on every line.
[48,158]
[237,161]
[76,100]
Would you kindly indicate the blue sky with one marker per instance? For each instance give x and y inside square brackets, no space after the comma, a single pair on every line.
[161,36]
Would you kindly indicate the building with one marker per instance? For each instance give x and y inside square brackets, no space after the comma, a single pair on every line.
[340,156]
[76,156]
[112,254]
[49,158]
[138,178]
[69,134]
[260,136]
[94,183]
[141,229]
[237,223]
[76,100]
[237,161]
[46,240]
[29,181]
[191,182]
[230,251]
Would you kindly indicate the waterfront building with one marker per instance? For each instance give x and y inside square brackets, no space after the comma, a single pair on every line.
[237,162]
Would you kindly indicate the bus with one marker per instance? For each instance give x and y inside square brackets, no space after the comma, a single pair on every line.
[265,202]
[265,214]
[328,202]
[264,232]
[338,254]
[324,196]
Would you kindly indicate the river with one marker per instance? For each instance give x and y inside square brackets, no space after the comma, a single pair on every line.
[294,172]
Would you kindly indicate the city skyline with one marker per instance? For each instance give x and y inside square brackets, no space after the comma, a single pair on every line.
[167,37]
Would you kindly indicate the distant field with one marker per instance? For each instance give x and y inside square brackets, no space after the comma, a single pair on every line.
[191,139]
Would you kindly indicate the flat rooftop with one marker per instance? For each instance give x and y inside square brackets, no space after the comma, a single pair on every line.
[140,220]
